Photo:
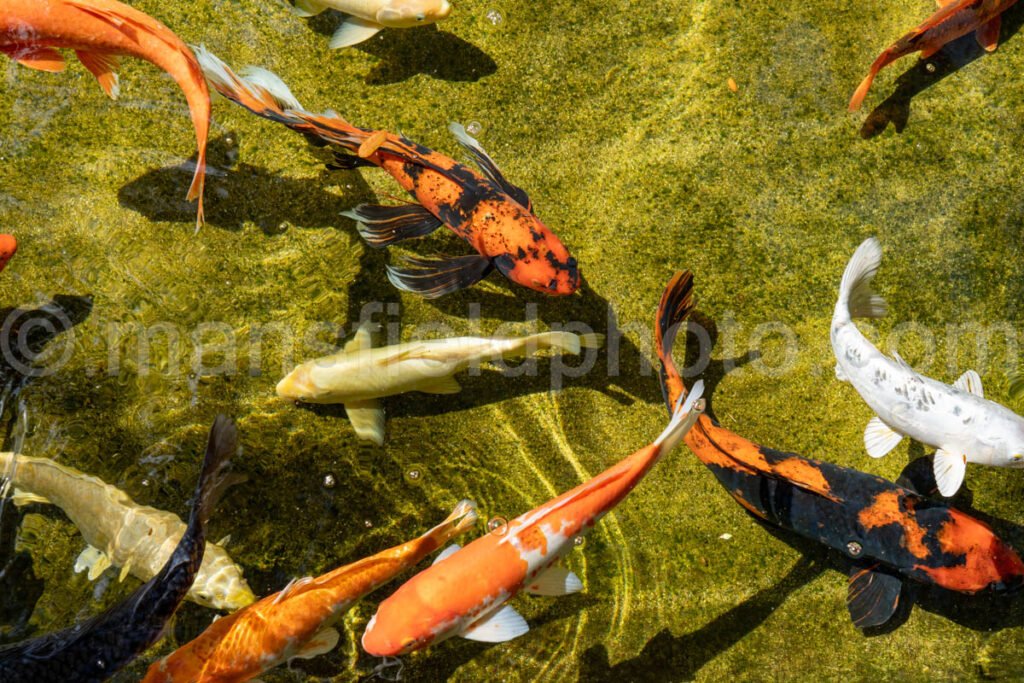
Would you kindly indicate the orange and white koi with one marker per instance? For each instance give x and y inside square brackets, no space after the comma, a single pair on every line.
[296,622]
[953,19]
[8,245]
[100,31]
[465,591]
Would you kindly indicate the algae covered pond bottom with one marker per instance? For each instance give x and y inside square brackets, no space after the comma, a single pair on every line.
[651,137]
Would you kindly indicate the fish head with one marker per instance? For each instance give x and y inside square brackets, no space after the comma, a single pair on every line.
[406,622]
[982,559]
[535,258]
[297,385]
[8,245]
[409,13]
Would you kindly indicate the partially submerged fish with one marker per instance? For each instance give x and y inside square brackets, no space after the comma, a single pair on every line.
[953,19]
[100,31]
[8,245]
[95,649]
[888,533]
[464,592]
[360,374]
[956,419]
[367,17]
[297,621]
[120,533]
[491,214]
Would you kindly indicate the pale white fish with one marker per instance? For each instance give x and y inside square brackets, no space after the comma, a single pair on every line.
[367,17]
[360,375]
[955,419]
[121,533]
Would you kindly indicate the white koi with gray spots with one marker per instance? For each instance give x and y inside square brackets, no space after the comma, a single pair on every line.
[955,419]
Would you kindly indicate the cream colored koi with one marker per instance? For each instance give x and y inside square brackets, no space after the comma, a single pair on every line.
[367,17]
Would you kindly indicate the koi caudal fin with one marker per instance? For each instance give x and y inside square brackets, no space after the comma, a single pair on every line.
[856,298]
[861,92]
[565,342]
[461,520]
[684,417]
[676,305]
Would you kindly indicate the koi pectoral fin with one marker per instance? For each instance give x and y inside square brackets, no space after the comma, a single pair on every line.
[104,67]
[447,552]
[381,226]
[503,625]
[433,278]
[94,560]
[308,8]
[554,582]
[40,59]
[988,35]
[487,165]
[880,438]
[367,418]
[353,31]
[872,596]
[322,642]
[950,469]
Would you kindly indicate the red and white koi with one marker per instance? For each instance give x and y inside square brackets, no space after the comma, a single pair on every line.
[464,592]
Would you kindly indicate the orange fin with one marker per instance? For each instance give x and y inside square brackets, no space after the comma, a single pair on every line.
[41,58]
[118,21]
[988,34]
[931,50]
[103,66]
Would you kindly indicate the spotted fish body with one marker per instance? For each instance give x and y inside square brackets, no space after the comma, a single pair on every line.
[296,622]
[465,591]
[956,419]
[96,649]
[491,214]
[887,532]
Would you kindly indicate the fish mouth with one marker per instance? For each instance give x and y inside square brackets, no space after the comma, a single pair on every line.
[444,10]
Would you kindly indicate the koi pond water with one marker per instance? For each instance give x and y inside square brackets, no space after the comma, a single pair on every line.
[634,140]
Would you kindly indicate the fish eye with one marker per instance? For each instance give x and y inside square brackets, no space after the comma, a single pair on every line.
[421,17]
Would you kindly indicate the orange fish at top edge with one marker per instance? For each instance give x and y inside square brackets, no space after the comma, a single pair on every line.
[952,20]
[8,245]
[99,31]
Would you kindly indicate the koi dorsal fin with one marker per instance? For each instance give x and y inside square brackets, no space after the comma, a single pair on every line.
[487,165]
[362,340]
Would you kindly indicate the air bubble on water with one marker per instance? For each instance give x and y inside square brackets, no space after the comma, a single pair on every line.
[929,67]
[329,481]
[368,524]
[497,526]
[414,475]
[494,16]
[474,128]
[578,541]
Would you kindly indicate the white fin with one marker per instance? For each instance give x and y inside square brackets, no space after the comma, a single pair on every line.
[308,8]
[93,559]
[21,497]
[683,418]
[367,418]
[555,581]
[447,552]
[223,543]
[505,624]
[292,585]
[125,570]
[879,438]
[259,77]
[970,382]
[352,31]
[949,471]
[322,642]
[900,362]
[841,374]
[363,338]
[855,287]
[441,385]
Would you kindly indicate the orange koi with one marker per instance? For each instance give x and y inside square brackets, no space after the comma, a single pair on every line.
[491,214]
[953,19]
[296,622]
[99,31]
[8,245]
[464,592]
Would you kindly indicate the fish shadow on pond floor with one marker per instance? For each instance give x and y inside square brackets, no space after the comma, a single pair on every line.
[20,588]
[666,657]
[927,72]
[404,53]
[237,193]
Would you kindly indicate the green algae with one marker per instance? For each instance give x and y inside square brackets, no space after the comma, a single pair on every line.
[617,119]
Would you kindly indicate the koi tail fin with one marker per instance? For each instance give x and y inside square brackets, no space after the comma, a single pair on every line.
[684,417]
[861,92]
[676,305]
[461,520]
[221,446]
[264,93]
[563,342]
[856,297]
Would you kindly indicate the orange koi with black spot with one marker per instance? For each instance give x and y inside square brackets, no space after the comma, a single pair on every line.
[8,245]
[954,18]
[101,31]
[888,532]
[491,214]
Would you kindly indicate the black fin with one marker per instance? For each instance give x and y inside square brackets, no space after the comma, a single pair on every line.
[873,596]
[919,477]
[220,448]
[384,225]
[675,306]
[433,278]
[347,162]
[487,165]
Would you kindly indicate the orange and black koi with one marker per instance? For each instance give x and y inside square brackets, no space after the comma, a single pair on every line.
[494,216]
[888,532]
[8,246]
